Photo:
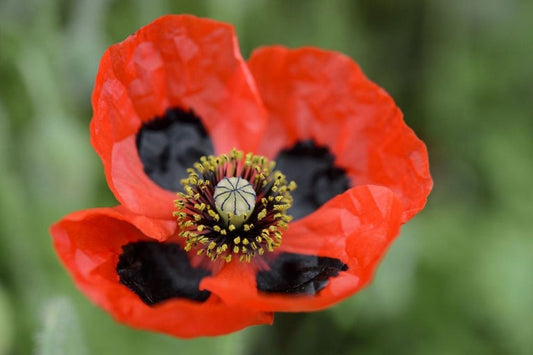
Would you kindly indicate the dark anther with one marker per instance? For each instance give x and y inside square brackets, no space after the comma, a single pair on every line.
[298,274]
[313,169]
[170,144]
[157,272]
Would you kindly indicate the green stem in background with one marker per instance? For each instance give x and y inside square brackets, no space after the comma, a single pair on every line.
[233,344]
[60,334]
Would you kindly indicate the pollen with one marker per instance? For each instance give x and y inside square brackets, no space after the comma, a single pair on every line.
[233,203]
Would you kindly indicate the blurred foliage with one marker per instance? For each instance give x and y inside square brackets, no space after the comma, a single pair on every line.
[61,333]
[457,280]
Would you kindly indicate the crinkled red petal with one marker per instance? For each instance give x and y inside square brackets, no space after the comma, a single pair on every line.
[355,227]
[323,95]
[89,244]
[175,62]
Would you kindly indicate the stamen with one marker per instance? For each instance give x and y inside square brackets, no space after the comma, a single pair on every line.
[233,204]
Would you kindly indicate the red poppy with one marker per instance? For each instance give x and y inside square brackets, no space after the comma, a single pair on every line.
[178,90]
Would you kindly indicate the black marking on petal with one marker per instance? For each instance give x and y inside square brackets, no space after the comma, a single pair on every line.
[170,144]
[157,272]
[313,169]
[298,274]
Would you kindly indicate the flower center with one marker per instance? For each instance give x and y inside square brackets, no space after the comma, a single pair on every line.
[234,200]
[233,206]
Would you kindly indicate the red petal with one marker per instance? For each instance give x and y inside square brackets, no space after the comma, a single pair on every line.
[157,229]
[176,61]
[89,244]
[355,227]
[323,95]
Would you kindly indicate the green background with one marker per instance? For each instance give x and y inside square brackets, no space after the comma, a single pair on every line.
[458,280]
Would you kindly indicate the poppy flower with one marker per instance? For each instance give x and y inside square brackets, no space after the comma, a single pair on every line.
[245,188]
